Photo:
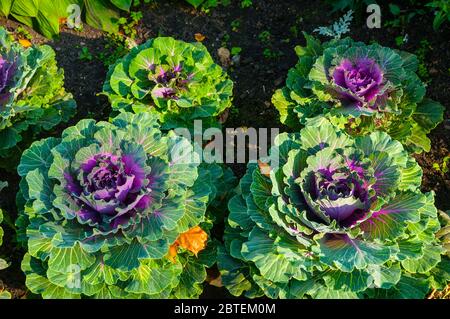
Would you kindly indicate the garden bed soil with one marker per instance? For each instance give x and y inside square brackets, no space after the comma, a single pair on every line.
[255,77]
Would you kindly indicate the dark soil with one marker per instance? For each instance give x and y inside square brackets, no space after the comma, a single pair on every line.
[256,77]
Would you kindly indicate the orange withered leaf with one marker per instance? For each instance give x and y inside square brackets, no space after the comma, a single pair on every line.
[199,37]
[173,252]
[193,240]
[25,43]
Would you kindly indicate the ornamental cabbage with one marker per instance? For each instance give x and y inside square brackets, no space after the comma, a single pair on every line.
[179,81]
[339,217]
[32,96]
[117,210]
[361,88]
[3,263]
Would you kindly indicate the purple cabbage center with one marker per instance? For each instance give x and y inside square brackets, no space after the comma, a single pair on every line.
[6,73]
[170,82]
[361,79]
[341,194]
[109,190]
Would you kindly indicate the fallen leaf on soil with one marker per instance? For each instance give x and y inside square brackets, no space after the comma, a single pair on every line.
[199,37]
[216,282]
[25,43]
[224,56]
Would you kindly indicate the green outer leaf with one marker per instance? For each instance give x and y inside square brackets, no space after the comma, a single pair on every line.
[101,14]
[407,288]
[347,254]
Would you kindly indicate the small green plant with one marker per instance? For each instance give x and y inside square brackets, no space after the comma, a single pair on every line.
[85,55]
[265,37]
[116,47]
[236,50]
[421,54]
[225,39]
[443,168]
[23,33]
[441,10]
[128,26]
[294,30]
[401,39]
[271,53]
[235,25]
[246,3]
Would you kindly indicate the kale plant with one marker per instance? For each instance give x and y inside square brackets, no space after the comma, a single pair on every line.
[32,95]
[176,80]
[361,88]
[339,217]
[117,210]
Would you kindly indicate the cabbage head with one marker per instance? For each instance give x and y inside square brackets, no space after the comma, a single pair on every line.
[32,94]
[361,88]
[339,217]
[117,210]
[176,80]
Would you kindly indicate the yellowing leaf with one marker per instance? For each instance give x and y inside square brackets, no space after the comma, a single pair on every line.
[25,43]
[199,37]
[193,240]
[173,252]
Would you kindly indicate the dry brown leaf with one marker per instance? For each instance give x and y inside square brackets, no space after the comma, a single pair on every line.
[224,116]
[199,37]
[216,282]
[224,56]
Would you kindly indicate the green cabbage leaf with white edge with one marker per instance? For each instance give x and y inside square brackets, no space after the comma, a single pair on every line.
[339,217]
[101,210]
[361,88]
[176,80]
[32,94]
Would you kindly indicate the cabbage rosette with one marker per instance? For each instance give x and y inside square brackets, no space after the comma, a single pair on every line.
[32,95]
[179,81]
[117,210]
[361,88]
[3,263]
[339,217]
[4,294]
